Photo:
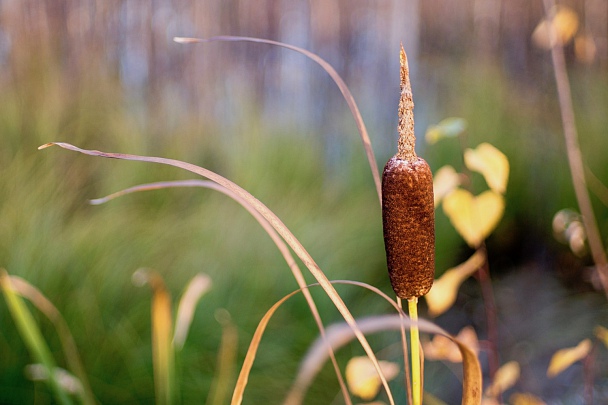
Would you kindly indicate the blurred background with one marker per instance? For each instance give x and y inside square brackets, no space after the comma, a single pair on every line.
[106,75]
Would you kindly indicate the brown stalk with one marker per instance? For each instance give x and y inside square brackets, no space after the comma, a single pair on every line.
[575,158]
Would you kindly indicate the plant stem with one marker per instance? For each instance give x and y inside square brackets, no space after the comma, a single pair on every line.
[412,305]
[575,159]
[487,293]
[406,363]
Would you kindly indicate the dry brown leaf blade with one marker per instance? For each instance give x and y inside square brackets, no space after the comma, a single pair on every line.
[272,219]
[348,97]
[340,334]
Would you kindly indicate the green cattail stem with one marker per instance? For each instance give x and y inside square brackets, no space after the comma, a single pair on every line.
[412,305]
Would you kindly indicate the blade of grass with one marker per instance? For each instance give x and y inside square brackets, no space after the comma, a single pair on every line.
[348,97]
[295,269]
[68,344]
[197,287]
[163,356]
[226,360]
[32,337]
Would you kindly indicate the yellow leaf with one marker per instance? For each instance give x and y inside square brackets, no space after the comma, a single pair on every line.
[445,181]
[442,348]
[602,334]
[525,399]
[491,163]
[474,217]
[362,378]
[442,295]
[565,24]
[585,49]
[506,376]
[564,358]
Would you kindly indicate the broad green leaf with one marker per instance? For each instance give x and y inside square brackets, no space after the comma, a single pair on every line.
[564,358]
[442,295]
[447,128]
[445,181]
[491,163]
[506,376]
[474,217]
[363,379]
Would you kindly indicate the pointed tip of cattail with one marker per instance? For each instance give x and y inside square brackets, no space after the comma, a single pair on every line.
[405,71]
[407,138]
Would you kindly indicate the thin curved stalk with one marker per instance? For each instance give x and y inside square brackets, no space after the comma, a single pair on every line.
[575,158]
[348,97]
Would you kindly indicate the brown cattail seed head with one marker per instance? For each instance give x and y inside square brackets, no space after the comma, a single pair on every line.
[408,213]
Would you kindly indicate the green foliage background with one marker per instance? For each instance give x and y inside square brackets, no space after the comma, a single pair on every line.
[82,257]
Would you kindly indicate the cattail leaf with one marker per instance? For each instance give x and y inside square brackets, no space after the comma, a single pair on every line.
[448,128]
[340,334]
[348,97]
[445,181]
[268,215]
[564,358]
[491,163]
[444,291]
[506,377]
[565,24]
[362,378]
[474,217]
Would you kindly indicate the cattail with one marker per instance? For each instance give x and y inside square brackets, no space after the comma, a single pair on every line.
[408,214]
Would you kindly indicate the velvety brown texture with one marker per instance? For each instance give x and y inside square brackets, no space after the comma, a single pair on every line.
[408,216]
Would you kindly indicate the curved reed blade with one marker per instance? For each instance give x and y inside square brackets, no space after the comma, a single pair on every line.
[276,238]
[338,335]
[348,97]
[272,219]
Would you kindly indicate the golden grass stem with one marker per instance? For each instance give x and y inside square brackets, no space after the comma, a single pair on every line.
[412,306]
